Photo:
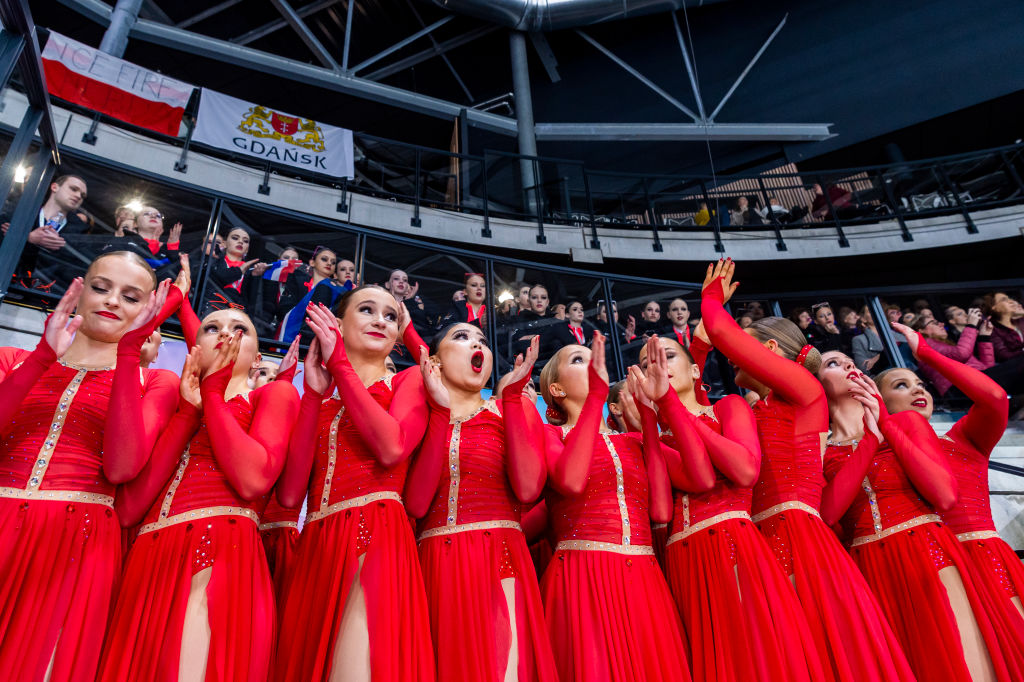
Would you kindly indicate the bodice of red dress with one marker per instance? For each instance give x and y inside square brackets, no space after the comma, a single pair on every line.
[791,462]
[474,487]
[200,487]
[613,508]
[973,510]
[344,468]
[888,501]
[58,441]
[725,497]
[275,515]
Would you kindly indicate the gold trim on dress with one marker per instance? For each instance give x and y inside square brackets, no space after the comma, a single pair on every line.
[83,368]
[467,527]
[977,535]
[620,487]
[279,524]
[352,503]
[201,513]
[595,546]
[876,514]
[332,459]
[58,496]
[785,506]
[898,528]
[706,523]
[165,508]
[45,455]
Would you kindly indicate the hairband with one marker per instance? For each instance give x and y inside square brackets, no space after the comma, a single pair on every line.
[552,413]
[467,275]
[802,355]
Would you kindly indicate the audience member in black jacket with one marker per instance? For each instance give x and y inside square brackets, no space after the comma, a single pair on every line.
[231,283]
[574,330]
[469,304]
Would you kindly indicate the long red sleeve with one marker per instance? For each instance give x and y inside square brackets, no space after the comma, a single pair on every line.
[413,342]
[699,351]
[659,485]
[790,381]
[287,375]
[136,497]
[920,453]
[294,481]
[985,422]
[569,464]
[19,382]
[842,490]
[535,521]
[137,413]
[189,322]
[689,465]
[524,444]
[425,472]
[391,434]
[736,452]
[252,461]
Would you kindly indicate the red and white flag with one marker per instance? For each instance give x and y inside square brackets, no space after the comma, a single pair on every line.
[83,75]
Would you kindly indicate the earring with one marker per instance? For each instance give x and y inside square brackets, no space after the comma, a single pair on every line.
[561,394]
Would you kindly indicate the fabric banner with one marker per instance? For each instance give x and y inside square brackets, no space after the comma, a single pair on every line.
[238,126]
[83,75]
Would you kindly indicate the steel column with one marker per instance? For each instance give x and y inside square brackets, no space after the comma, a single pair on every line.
[23,219]
[16,152]
[613,330]
[122,18]
[524,112]
[690,71]
[885,331]
[11,46]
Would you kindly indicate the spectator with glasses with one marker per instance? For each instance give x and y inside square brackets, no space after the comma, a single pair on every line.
[141,234]
[977,333]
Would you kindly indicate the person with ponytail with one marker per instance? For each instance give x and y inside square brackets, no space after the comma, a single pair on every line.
[78,418]
[773,360]
[355,608]
[743,620]
[608,608]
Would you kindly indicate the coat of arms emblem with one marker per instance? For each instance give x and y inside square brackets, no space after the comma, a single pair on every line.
[260,121]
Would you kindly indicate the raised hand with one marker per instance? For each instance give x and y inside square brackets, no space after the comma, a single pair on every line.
[913,340]
[598,367]
[248,264]
[291,358]
[637,385]
[60,325]
[974,316]
[630,328]
[315,374]
[184,279]
[522,370]
[985,327]
[226,355]
[459,295]
[175,235]
[413,290]
[403,319]
[190,379]
[437,393]
[153,307]
[325,326]
[259,269]
[723,270]
[864,391]
[657,383]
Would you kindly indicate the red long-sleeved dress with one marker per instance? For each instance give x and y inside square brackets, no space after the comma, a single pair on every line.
[901,545]
[355,453]
[610,613]
[743,619]
[471,542]
[279,531]
[200,533]
[846,622]
[60,541]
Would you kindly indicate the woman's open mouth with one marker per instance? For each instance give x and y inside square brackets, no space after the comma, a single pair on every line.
[108,315]
[920,402]
[477,361]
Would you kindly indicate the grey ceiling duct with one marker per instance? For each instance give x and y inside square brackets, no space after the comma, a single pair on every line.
[551,15]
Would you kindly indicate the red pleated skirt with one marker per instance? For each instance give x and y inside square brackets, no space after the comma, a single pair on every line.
[59,568]
[903,570]
[469,614]
[849,627]
[326,563]
[740,612]
[612,619]
[995,563]
[144,638]
[280,545]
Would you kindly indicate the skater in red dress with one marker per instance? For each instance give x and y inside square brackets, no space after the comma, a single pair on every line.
[969,445]
[480,461]
[355,607]
[898,478]
[78,417]
[609,611]
[846,622]
[197,602]
[743,619]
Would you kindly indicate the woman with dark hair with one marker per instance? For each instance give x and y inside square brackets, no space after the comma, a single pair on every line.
[575,330]
[792,423]
[470,303]
[78,418]
[742,617]
[479,463]
[197,600]
[973,348]
[1005,314]
[608,608]
[232,274]
[315,286]
[888,478]
[823,333]
[356,604]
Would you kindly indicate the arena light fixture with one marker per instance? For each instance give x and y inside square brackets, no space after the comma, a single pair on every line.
[134,204]
[20,174]
[505,295]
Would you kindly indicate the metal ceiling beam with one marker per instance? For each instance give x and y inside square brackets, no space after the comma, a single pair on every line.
[311,41]
[690,71]
[207,13]
[151,10]
[444,58]
[750,65]
[430,52]
[309,74]
[639,76]
[683,132]
[270,27]
[400,44]
[546,54]
[348,34]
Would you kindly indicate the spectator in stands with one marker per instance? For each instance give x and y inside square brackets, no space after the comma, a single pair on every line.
[755,310]
[623,415]
[628,333]
[956,320]
[1007,336]
[849,325]
[309,286]
[523,296]
[398,285]
[935,335]
[907,317]
[838,196]
[575,330]
[533,322]
[144,240]
[739,214]
[650,320]
[55,251]
[679,318]
[744,320]
[274,284]
[823,333]
[802,318]
[232,274]
[124,220]
[782,214]
[703,216]
[867,345]
[469,303]
[558,311]
[892,312]
[345,273]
